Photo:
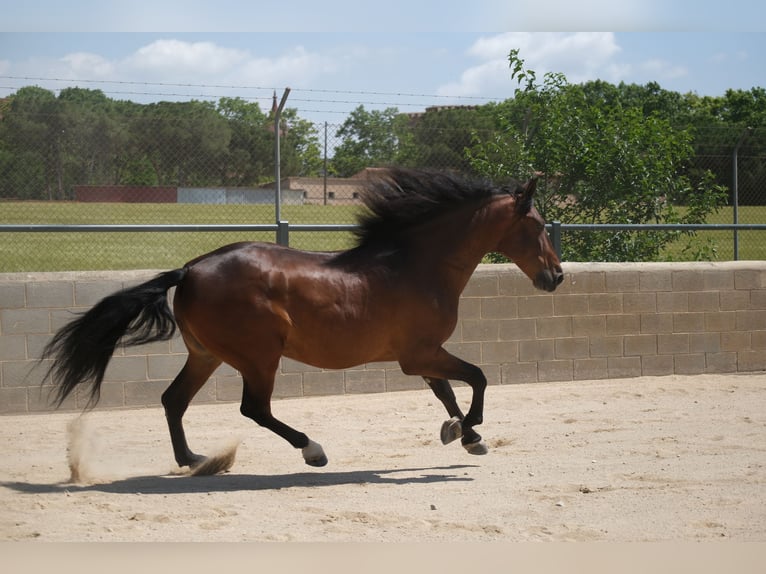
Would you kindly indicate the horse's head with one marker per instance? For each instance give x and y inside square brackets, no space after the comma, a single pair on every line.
[527,243]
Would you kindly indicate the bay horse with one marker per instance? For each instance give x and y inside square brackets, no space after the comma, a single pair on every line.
[392,297]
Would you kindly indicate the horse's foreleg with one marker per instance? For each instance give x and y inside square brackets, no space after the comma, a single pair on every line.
[436,369]
[256,404]
[176,399]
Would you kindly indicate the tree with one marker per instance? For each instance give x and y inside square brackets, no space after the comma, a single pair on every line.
[369,139]
[599,160]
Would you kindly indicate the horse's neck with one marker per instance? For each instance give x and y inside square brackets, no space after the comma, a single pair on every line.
[453,244]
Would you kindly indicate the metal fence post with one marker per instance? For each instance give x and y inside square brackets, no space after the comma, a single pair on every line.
[556,237]
[283,233]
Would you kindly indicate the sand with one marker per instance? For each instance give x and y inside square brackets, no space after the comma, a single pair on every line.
[680,458]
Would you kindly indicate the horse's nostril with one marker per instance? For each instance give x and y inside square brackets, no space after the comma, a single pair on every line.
[559,278]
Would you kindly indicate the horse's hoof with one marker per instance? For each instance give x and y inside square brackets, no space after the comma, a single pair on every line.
[314,454]
[451,430]
[320,461]
[478,447]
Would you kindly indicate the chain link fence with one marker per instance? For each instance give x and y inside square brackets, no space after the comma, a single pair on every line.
[198,181]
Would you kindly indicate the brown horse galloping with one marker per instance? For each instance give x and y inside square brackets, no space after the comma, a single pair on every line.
[393,297]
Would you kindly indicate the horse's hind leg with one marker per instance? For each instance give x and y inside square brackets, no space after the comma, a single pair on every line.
[177,397]
[256,404]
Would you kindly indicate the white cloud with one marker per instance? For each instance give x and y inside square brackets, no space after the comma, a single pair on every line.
[580,56]
[87,65]
[177,57]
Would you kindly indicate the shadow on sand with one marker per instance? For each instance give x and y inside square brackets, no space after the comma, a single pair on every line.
[183,484]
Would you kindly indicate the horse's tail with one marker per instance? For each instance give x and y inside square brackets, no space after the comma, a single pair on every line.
[81,350]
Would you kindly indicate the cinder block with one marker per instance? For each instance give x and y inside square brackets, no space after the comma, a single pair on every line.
[13,400]
[480,330]
[672,302]
[640,345]
[517,373]
[586,282]
[492,372]
[639,302]
[688,322]
[554,327]
[624,367]
[720,322]
[365,381]
[21,373]
[752,320]
[112,395]
[717,279]
[758,299]
[589,369]
[758,340]
[50,294]
[606,346]
[499,308]
[469,309]
[292,366]
[734,300]
[164,366]
[126,369]
[692,364]
[736,341]
[537,350]
[470,352]
[88,293]
[323,383]
[688,280]
[517,329]
[548,371]
[156,348]
[654,323]
[751,361]
[605,303]
[623,324]
[591,325]
[657,365]
[143,393]
[12,296]
[13,347]
[285,386]
[622,282]
[398,381]
[498,352]
[229,389]
[672,344]
[570,305]
[749,279]
[655,281]
[515,284]
[704,301]
[482,286]
[704,342]
[536,306]
[24,321]
[572,348]
[721,362]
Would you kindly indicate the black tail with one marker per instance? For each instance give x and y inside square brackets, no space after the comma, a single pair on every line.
[81,350]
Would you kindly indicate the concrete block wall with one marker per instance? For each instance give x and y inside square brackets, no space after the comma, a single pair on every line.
[607,320]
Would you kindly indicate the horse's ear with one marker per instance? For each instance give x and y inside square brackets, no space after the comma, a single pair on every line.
[525,195]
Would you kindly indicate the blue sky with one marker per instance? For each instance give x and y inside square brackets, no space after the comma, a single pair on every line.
[337,55]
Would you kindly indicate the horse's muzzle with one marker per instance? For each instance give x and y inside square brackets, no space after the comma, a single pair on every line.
[548,280]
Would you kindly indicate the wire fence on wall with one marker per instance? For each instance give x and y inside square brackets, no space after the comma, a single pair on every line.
[166,189]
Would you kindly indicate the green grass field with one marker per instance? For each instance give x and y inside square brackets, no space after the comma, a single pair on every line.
[64,251]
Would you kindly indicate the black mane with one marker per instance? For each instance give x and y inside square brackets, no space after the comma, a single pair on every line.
[399,198]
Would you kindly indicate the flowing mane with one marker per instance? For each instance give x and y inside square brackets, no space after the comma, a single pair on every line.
[401,198]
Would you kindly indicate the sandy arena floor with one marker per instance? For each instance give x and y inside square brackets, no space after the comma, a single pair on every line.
[648,459]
